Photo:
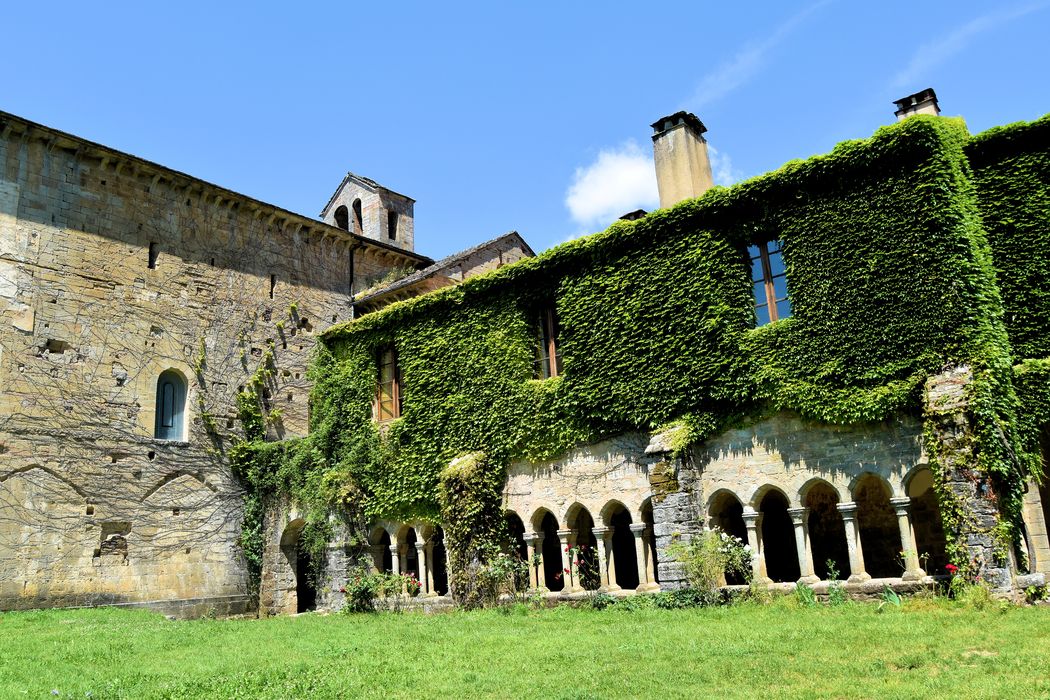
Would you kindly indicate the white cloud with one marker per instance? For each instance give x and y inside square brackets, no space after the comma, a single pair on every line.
[722,167]
[745,63]
[620,180]
[931,54]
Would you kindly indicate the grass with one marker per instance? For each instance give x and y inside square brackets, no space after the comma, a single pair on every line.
[925,649]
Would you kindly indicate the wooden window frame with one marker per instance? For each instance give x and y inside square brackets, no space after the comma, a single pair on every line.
[768,278]
[548,356]
[395,389]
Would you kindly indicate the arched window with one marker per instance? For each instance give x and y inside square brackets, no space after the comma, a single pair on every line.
[358,220]
[171,404]
[342,218]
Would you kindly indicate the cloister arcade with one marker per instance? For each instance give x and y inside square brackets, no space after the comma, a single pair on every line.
[417,550]
[864,532]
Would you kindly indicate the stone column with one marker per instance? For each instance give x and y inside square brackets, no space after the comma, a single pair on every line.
[912,568]
[601,535]
[377,557]
[638,530]
[753,522]
[424,571]
[800,519]
[395,559]
[857,574]
[530,554]
[565,537]
[613,584]
[431,593]
[541,574]
[649,546]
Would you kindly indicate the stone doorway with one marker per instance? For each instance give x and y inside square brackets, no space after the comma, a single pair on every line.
[880,535]
[778,539]
[827,532]
[625,559]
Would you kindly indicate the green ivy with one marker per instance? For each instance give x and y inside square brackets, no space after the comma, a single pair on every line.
[891,279]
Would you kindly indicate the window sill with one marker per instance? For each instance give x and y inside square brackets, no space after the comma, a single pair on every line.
[171,443]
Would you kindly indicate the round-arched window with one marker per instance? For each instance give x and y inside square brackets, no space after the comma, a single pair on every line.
[171,406]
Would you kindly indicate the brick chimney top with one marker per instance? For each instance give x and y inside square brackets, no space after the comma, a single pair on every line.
[669,122]
[922,102]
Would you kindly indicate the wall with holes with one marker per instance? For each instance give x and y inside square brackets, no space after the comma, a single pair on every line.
[113,270]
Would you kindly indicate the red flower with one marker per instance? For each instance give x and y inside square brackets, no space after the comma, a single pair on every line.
[566,549]
[951,568]
[566,570]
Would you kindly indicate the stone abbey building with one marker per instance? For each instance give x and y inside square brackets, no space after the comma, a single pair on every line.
[846,363]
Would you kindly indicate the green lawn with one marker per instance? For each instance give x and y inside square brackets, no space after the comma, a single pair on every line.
[926,649]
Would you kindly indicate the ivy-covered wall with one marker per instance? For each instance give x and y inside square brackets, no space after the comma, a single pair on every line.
[1011,166]
[890,277]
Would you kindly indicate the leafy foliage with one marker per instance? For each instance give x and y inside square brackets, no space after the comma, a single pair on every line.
[891,279]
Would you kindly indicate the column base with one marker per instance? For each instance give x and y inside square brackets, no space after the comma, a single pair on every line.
[431,594]
[648,588]
[809,580]
[859,578]
[916,575]
[761,581]
[609,589]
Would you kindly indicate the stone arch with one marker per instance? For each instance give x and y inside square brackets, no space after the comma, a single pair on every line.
[764,490]
[880,537]
[380,541]
[725,512]
[301,593]
[515,545]
[827,531]
[623,562]
[546,524]
[926,524]
[778,536]
[585,567]
[408,554]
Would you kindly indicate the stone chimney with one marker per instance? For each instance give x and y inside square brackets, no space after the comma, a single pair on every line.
[683,168]
[923,102]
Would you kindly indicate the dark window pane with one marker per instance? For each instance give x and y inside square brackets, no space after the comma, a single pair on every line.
[756,270]
[167,410]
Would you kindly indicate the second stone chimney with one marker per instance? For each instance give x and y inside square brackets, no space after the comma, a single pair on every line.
[923,102]
[683,168]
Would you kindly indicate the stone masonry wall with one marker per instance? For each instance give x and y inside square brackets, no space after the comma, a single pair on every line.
[93,509]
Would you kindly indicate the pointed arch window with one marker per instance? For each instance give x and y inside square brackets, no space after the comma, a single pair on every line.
[342,218]
[359,226]
[171,406]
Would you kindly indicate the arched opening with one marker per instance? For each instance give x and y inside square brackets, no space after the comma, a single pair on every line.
[552,569]
[880,537]
[410,565]
[650,542]
[624,557]
[381,556]
[358,220]
[301,565]
[585,566]
[827,532]
[439,569]
[515,546]
[171,406]
[930,543]
[342,217]
[726,514]
[778,538]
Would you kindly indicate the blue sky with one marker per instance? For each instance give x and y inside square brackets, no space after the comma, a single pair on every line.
[494,117]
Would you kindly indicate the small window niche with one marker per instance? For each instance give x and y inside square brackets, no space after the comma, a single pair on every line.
[547,353]
[391,225]
[342,218]
[359,225]
[154,252]
[769,283]
[171,406]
